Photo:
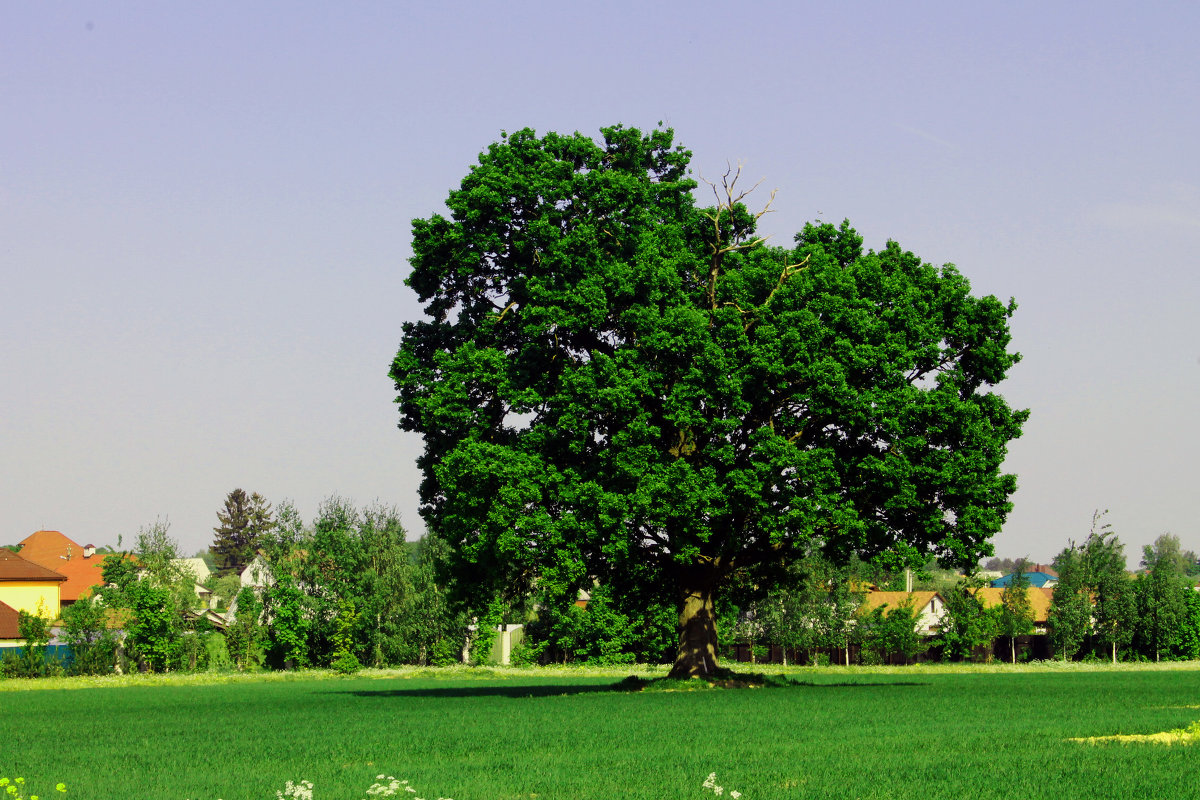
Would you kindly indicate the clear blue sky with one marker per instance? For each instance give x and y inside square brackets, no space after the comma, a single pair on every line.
[204,222]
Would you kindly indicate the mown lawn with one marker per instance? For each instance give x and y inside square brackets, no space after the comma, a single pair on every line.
[888,733]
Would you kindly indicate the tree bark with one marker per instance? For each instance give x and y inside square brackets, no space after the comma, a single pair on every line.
[696,656]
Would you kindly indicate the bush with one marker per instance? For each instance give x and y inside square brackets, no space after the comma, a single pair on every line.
[216,653]
[93,646]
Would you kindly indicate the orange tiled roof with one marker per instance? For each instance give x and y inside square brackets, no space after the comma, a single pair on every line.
[14,567]
[918,600]
[55,551]
[1039,600]
[9,622]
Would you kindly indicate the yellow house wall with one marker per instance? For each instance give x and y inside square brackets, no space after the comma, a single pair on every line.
[25,596]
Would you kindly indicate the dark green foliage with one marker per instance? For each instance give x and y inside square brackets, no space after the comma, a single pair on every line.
[1070,606]
[216,653]
[154,595]
[1163,595]
[890,634]
[246,638]
[245,520]
[1004,566]
[344,660]
[612,382]
[1189,635]
[85,630]
[291,619]
[118,570]
[1015,613]
[813,609]
[402,610]
[362,556]
[967,626]
[598,633]
[155,628]
[427,630]
[1114,610]
[224,587]
[1094,595]
[34,630]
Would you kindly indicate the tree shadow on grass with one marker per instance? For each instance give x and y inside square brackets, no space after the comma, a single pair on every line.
[727,680]
[514,691]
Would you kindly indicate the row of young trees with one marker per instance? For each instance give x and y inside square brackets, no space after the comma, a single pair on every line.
[1098,607]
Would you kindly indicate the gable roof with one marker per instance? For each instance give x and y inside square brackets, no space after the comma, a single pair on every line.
[9,622]
[198,567]
[15,568]
[918,600]
[55,551]
[41,545]
[1039,600]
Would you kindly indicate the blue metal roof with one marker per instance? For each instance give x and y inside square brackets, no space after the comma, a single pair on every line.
[1036,579]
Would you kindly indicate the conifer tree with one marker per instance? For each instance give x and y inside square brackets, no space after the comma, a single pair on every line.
[244,519]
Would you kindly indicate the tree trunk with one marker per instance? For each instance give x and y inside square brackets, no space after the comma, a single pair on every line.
[1114,652]
[697,653]
[1013,644]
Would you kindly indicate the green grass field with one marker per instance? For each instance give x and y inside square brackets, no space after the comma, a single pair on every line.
[885,733]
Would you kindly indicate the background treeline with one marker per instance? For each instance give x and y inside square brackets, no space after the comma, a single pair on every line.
[348,589]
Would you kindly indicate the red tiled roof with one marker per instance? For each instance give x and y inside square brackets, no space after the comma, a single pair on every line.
[9,622]
[15,568]
[53,550]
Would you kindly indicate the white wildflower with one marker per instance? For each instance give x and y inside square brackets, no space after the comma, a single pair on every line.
[296,791]
[710,783]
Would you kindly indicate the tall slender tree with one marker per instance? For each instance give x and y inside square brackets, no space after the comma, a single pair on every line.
[1070,606]
[1015,611]
[1114,611]
[244,521]
[1162,596]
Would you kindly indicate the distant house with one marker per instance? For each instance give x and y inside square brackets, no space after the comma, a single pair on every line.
[10,634]
[79,564]
[257,573]
[1039,602]
[930,607]
[1039,579]
[30,587]
[197,566]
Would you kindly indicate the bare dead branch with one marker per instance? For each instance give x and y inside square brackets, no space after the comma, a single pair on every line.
[506,310]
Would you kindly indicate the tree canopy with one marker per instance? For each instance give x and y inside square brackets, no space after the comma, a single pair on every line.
[616,384]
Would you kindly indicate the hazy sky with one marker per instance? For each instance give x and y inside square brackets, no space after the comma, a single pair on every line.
[205,209]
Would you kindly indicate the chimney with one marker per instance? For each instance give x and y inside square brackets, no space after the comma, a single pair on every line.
[89,550]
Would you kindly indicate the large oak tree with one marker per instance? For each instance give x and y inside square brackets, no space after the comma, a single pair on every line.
[616,384]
